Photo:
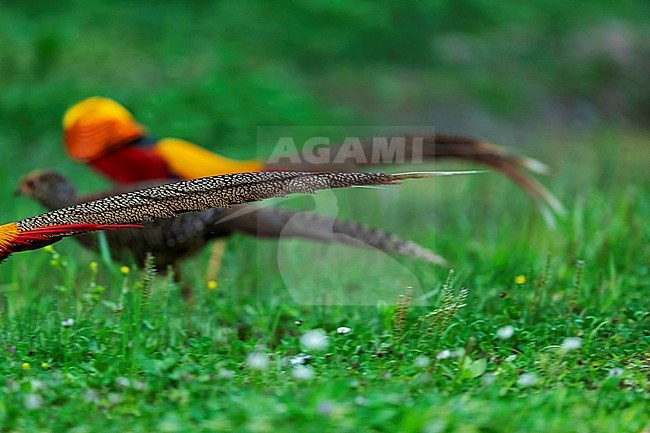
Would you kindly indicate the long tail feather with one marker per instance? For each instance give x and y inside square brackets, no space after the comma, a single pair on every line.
[419,148]
[286,223]
[530,185]
[169,200]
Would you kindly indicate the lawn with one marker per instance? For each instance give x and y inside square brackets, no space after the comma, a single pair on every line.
[537,328]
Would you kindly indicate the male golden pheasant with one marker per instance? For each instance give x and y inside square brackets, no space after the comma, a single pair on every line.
[173,239]
[169,200]
[102,133]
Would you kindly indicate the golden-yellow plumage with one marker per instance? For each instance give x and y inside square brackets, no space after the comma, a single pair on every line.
[189,161]
[8,234]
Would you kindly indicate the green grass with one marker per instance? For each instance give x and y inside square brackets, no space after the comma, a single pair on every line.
[138,357]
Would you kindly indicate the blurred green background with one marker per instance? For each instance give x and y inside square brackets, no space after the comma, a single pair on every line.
[214,71]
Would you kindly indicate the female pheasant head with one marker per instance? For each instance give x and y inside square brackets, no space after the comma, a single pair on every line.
[49,187]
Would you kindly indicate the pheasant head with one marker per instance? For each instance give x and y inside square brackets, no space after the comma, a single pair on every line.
[96,125]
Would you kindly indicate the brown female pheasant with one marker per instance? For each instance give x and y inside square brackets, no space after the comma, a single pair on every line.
[171,240]
[169,200]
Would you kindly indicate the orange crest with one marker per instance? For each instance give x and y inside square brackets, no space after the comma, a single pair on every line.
[97,125]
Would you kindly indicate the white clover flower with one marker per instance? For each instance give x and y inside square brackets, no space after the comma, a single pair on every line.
[615,372]
[422,361]
[511,358]
[571,343]
[36,384]
[303,372]
[67,323]
[122,382]
[343,330]
[91,396]
[527,379]
[444,354]
[300,359]
[224,373]
[33,401]
[140,385]
[314,340]
[325,407]
[437,426]
[258,361]
[505,332]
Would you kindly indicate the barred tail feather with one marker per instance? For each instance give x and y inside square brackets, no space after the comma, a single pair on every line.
[427,147]
[286,223]
[169,200]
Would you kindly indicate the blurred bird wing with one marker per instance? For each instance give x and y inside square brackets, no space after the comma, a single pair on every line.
[189,161]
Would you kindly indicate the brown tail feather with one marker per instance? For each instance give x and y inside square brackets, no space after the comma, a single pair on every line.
[280,223]
[418,148]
